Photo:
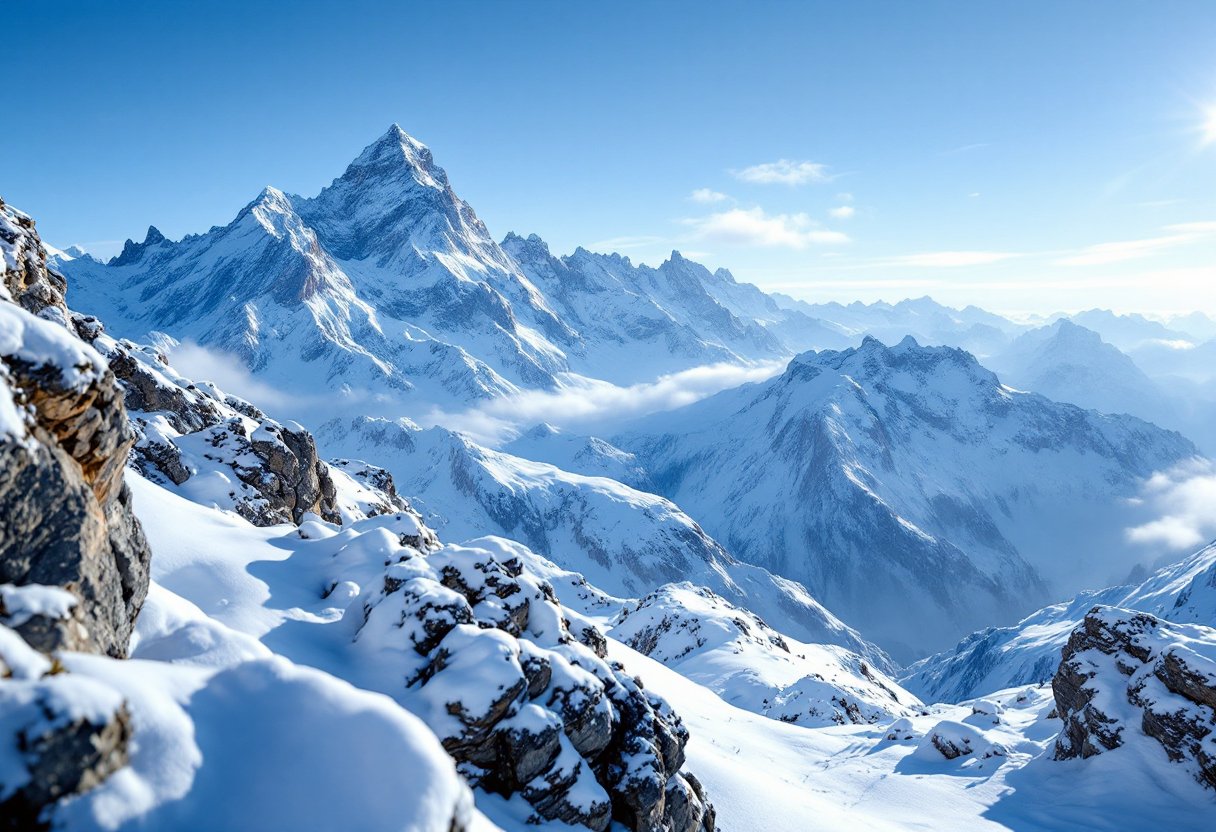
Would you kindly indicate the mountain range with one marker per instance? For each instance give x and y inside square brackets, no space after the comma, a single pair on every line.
[865,473]
[695,622]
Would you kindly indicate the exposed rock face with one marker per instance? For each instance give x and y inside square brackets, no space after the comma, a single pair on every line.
[1125,675]
[65,514]
[184,428]
[492,662]
[73,558]
[26,279]
[69,733]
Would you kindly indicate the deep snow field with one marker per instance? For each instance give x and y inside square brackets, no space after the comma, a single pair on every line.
[213,708]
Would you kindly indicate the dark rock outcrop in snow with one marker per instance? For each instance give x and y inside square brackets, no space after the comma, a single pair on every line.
[517,689]
[65,513]
[71,733]
[280,477]
[1126,675]
[73,558]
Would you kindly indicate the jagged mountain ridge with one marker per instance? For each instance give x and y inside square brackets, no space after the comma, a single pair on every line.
[906,487]
[626,542]
[387,280]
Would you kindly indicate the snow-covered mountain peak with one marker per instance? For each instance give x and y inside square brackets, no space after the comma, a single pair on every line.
[392,153]
[939,369]
[394,205]
[132,251]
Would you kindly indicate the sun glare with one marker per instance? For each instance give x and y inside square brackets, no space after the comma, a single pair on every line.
[1209,126]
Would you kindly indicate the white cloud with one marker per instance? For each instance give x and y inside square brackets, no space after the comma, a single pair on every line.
[950,259]
[843,212]
[1184,498]
[706,195]
[229,374]
[618,243]
[590,404]
[1116,252]
[752,227]
[783,172]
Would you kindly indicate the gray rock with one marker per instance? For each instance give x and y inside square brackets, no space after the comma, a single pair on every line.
[1127,674]
[65,513]
[538,712]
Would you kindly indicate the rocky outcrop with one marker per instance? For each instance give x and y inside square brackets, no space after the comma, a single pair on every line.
[1128,675]
[184,428]
[26,280]
[69,733]
[65,513]
[73,558]
[516,686]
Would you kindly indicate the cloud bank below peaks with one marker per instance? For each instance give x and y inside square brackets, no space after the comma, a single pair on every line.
[591,405]
[1183,500]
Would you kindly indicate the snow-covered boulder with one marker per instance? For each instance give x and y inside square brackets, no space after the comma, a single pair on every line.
[734,653]
[951,740]
[60,734]
[514,685]
[1126,676]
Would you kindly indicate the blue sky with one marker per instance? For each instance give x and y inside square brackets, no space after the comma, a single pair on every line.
[1019,156]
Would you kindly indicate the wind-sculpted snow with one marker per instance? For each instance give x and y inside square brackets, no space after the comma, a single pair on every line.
[750,665]
[626,542]
[1029,652]
[907,488]
[208,737]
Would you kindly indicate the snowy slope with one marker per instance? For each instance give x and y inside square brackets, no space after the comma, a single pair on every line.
[907,488]
[738,656]
[762,772]
[780,777]
[626,542]
[1029,652]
